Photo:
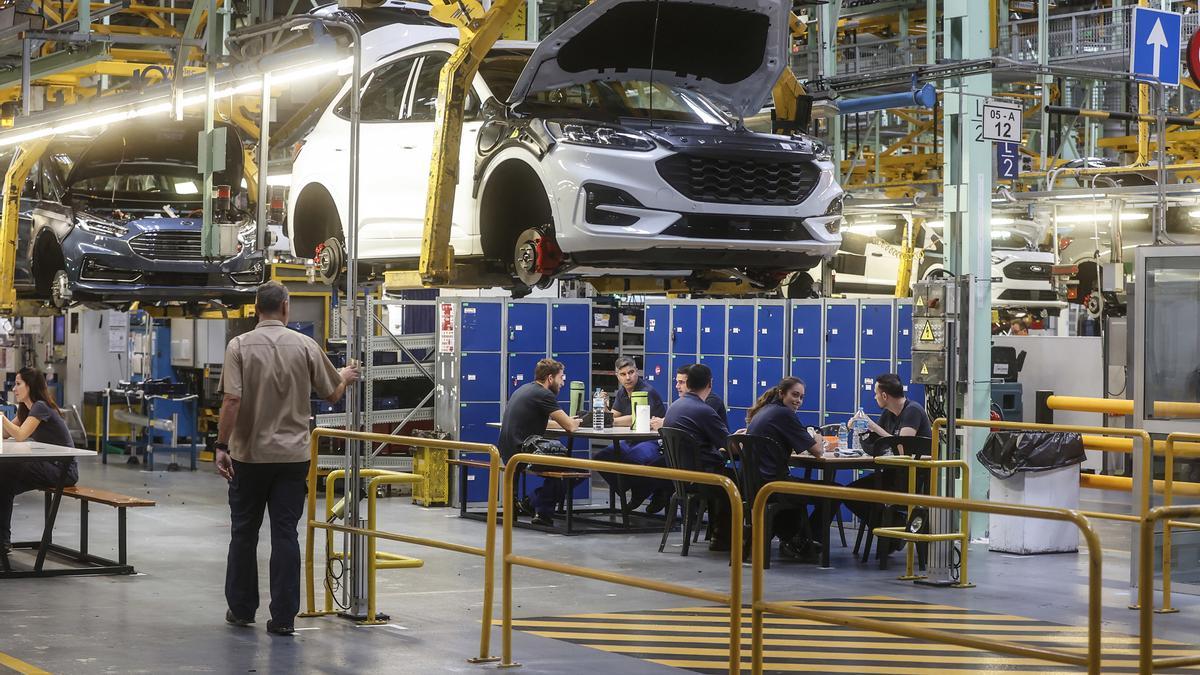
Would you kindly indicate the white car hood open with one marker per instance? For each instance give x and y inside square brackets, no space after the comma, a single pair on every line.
[732,51]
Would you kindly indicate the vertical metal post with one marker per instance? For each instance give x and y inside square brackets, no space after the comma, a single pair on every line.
[84,14]
[1160,211]
[210,239]
[828,42]
[264,161]
[1043,19]
[532,25]
[25,75]
[931,23]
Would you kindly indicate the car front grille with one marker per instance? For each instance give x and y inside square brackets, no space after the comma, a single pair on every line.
[168,245]
[1018,295]
[183,279]
[1028,271]
[739,228]
[728,180]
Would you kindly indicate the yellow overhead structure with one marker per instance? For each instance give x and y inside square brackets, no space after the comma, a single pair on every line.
[14,179]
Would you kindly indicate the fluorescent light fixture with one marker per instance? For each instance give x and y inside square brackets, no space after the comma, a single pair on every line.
[285,180]
[860,228]
[1099,217]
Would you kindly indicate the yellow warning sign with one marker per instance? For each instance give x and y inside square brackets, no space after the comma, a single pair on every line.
[927,333]
[924,369]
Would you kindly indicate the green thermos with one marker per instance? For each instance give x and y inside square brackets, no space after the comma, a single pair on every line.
[578,391]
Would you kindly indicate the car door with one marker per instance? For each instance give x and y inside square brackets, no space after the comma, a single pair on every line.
[411,185]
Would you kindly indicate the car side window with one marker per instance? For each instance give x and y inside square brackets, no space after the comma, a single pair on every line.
[383,93]
[423,99]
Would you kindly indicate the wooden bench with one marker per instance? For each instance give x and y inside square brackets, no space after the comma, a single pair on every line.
[86,496]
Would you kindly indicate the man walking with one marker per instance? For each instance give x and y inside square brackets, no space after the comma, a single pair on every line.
[262,449]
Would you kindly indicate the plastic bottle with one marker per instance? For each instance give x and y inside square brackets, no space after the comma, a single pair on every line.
[860,427]
[598,409]
[843,435]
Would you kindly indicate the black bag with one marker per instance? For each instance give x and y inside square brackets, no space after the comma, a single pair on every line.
[1005,452]
[536,444]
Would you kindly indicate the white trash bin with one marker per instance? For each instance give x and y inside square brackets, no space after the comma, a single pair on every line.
[1057,488]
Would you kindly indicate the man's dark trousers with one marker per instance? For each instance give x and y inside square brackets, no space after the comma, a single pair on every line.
[281,489]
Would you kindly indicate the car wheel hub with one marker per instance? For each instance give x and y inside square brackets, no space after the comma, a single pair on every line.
[536,257]
[329,260]
[60,289]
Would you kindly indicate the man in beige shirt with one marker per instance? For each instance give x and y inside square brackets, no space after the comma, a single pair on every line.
[262,449]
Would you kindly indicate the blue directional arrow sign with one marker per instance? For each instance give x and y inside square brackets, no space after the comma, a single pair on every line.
[1155,46]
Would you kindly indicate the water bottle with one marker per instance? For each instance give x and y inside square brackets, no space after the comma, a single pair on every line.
[842,438]
[860,427]
[598,409]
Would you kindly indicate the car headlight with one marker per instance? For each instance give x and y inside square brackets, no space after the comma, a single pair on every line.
[599,135]
[813,146]
[997,260]
[98,226]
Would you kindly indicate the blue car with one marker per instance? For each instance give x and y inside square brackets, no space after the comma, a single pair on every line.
[119,221]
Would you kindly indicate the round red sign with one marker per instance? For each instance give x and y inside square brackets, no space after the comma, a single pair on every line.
[1193,57]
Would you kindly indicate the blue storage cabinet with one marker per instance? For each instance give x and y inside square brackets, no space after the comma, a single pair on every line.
[658,329]
[841,392]
[868,371]
[520,371]
[875,328]
[480,325]
[737,419]
[685,330]
[715,363]
[841,329]
[658,373]
[809,370]
[807,329]
[526,325]
[741,330]
[768,372]
[479,378]
[712,329]
[571,328]
[770,333]
[577,367]
[740,382]
[903,343]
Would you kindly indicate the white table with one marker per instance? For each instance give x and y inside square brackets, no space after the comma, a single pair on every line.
[33,451]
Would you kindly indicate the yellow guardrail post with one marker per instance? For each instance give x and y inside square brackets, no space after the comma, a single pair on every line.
[911,539]
[732,599]
[488,552]
[1146,661]
[759,607]
[1168,481]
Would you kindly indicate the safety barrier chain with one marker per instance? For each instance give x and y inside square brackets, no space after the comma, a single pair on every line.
[488,552]
[759,607]
[732,599]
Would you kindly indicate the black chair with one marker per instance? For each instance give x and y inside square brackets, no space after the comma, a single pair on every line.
[680,450]
[750,451]
[885,515]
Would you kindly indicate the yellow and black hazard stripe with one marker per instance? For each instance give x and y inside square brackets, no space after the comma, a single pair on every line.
[697,639]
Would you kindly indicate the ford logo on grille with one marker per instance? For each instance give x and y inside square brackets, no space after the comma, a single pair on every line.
[1036,269]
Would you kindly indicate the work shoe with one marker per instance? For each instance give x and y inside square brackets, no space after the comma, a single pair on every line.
[799,552]
[7,546]
[525,507]
[234,621]
[636,497]
[545,521]
[720,546]
[279,630]
[658,502]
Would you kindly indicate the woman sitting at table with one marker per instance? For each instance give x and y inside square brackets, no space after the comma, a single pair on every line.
[38,419]
[773,416]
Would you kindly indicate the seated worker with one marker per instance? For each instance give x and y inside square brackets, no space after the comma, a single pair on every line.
[38,419]
[646,453]
[773,416]
[529,410]
[712,399]
[699,420]
[900,417]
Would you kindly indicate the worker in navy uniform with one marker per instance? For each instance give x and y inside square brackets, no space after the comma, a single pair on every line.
[900,417]
[773,416]
[712,399]
[645,453]
[699,420]
[530,409]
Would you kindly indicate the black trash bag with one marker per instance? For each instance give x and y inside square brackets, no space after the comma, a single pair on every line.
[1006,452]
[538,445]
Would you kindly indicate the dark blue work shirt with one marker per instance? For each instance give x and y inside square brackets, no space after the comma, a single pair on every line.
[702,423]
[623,405]
[718,405]
[779,423]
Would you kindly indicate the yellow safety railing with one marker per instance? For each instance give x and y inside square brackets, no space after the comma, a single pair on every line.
[760,607]
[732,599]
[912,538]
[488,552]
[1169,479]
[1146,661]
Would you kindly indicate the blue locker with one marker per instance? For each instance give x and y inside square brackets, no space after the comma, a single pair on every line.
[876,339]
[841,331]
[717,365]
[477,478]
[835,418]
[809,418]
[570,327]
[577,367]
[479,377]
[527,327]
[658,329]
[740,386]
[904,331]
[806,331]
[769,332]
[481,324]
[473,419]
[520,370]
[737,419]
[768,374]
[685,331]
[916,392]
[841,394]
[677,361]
[741,330]
[868,371]
[712,329]
[658,373]
[809,370]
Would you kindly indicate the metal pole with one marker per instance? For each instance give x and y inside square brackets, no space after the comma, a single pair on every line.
[210,242]
[25,76]
[1160,216]
[264,160]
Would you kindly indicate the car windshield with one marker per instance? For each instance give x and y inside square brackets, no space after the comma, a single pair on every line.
[1008,240]
[638,99]
[137,188]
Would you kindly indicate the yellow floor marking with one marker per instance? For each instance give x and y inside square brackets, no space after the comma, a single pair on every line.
[724,614]
[777,642]
[839,668]
[784,621]
[13,663]
[917,609]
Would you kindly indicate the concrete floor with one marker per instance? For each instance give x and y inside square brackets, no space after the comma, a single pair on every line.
[170,616]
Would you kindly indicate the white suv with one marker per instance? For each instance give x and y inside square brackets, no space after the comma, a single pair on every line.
[590,153]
